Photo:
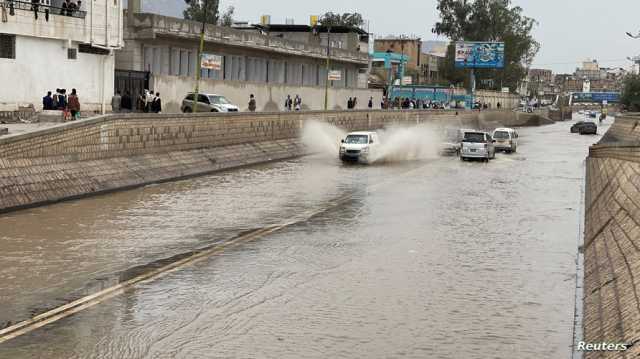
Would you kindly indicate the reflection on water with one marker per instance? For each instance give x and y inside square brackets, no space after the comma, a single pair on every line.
[434,259]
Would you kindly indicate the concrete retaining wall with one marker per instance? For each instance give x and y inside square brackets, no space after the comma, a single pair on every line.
[269,97]
[612,240]
[115,152]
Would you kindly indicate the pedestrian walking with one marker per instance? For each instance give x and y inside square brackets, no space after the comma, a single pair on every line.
[116,102]
[288,103]
[47,102]
[156,104]
[252,103]
[370,105]
[350,103]
[297,103]
[74,105]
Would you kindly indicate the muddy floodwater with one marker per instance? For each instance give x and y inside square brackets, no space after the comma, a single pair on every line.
[436,258]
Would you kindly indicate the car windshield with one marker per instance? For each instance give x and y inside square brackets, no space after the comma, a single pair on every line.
[357,139]
[474,137]
[503,135]
[219,100]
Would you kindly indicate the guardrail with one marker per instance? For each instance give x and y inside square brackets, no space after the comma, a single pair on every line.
[37,8]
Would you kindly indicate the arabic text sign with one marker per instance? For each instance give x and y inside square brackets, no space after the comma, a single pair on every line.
[211,62]
[335,75]
[480,55]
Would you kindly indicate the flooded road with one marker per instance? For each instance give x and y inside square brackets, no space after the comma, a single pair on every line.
[436,258]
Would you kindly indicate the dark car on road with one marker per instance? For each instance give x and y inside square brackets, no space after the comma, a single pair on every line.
[584,128]
[576,126]
[588,128]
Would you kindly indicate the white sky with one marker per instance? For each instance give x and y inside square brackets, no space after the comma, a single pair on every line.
[569,30]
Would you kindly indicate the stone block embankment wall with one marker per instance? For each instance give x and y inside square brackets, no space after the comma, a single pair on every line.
[116,152]
[612,240]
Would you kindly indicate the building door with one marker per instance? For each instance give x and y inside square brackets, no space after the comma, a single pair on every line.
[134,82]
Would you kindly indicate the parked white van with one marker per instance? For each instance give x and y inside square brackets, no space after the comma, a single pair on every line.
[506,139]
[359,147]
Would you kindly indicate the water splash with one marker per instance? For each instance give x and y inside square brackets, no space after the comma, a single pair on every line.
[322,138]
[398,143]
[402,143]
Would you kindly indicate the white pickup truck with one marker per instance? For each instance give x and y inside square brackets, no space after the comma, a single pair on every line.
[359,147]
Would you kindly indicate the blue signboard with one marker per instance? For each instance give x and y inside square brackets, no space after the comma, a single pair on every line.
[479,55]
[597,97]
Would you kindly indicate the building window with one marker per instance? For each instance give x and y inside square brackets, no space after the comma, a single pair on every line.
[72,54]
[7,46]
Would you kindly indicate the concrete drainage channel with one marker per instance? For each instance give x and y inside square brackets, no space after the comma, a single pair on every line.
[160,268]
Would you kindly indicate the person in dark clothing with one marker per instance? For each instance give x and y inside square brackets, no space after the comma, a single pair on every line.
[62,99]
[47,102]
[370,105]
[288,102]
[349,103]
[156,105]
[126,102]
[252,103]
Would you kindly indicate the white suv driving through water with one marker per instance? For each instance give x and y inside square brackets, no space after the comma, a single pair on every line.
[359,147]
[477,144]
[506,139]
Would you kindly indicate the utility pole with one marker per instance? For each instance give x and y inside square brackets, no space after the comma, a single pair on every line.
[199,59]
[328,64]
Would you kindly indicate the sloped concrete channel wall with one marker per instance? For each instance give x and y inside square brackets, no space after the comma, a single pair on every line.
[612,240]
[122,151]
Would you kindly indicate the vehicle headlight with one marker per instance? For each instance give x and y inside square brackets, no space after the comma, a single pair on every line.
[365,150]
[342,149]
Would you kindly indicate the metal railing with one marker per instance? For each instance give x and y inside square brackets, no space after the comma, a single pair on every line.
[39,8]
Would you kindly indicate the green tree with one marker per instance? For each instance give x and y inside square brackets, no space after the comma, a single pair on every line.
[347,19]
[488,20]
[227,17]
[631,93]
[196,11]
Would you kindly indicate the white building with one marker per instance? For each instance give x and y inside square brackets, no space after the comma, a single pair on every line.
[46,47]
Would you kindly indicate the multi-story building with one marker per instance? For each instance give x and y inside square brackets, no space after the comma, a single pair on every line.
[160,53]
[44,47]
[423,63]
[541,75]
[409,46]
[591,71]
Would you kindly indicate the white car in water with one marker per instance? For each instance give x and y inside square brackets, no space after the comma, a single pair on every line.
[477,145]
[506,139]
[359,147]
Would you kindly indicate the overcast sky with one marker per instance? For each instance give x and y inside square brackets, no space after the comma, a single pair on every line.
[569,30]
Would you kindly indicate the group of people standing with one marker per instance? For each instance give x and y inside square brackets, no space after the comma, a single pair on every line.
[147,101]
[68,104]
[291,104]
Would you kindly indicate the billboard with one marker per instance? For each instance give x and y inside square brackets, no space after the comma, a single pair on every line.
[595,97]
[211,62]
[479,55]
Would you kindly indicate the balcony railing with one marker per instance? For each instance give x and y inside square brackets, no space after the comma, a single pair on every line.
[42,9]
